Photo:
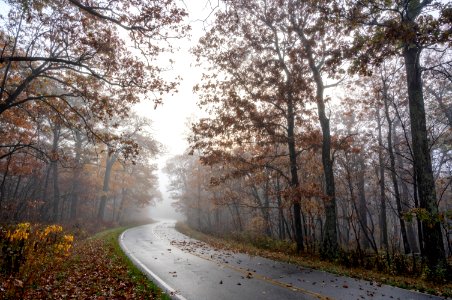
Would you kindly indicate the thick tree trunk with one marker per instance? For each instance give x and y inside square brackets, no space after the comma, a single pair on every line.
[111,159]
[2,186]
[329,244]
[433,240]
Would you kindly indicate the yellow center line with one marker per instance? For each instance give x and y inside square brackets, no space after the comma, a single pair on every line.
[261,277]
[255,275]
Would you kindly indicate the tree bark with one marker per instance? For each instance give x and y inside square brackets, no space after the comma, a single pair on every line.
[111,159]
[433,240]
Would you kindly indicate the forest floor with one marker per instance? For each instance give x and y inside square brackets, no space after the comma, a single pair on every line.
[440,288]
[96,268]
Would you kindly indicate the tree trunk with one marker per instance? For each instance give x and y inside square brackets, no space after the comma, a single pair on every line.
[281,228]
[46,204]
[266,210]
[329,244]
[121,205]
[2,186]
[405,192]
[383,219]
[111,159]
[362,203]
[76,176]
[54,164]
[406,245]
[198,206]
[433,240]
[294,181]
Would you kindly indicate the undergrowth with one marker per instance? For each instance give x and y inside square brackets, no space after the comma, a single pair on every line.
[36,265]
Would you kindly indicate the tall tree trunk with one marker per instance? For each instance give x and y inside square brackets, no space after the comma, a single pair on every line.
[281,230]
[432,235]
[383,218]
[54,164]
[406,245]
[405,195]
[362,203]
[330,244]
[198,206]
[2,186]
[266,210]
[294,181]
[76,176]
[46,204]
[111,159]
[121,205]
[433,240]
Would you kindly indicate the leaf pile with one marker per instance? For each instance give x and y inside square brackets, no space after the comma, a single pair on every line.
[95,269]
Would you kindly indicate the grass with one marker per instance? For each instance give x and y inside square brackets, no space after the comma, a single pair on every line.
[142,284]
[96,268]
[276,252]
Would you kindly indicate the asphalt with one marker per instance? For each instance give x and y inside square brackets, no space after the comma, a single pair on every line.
[190,269]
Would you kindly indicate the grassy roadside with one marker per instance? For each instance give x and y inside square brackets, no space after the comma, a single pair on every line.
[314,262]
[96,268]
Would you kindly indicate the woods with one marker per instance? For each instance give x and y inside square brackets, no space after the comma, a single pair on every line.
[327,123]
[71,148]
[325,131]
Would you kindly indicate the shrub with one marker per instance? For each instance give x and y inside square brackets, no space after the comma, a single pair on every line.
[28,251]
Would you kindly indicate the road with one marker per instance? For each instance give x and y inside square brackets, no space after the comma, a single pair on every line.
[190,269]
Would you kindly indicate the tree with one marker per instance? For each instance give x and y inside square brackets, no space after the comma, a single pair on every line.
[410,25]
[261,97]
[75,54]
[319,38]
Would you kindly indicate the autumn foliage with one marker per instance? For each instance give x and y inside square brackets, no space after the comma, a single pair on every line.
[327,124]
[28,253]
[70,73]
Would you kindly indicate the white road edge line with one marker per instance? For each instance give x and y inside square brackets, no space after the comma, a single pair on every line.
[151,275]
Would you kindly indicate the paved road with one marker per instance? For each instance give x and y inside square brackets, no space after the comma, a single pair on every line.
[190,269]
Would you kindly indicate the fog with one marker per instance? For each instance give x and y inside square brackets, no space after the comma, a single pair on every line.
[163,209]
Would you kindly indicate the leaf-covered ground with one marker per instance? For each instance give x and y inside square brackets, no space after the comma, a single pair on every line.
[95,269]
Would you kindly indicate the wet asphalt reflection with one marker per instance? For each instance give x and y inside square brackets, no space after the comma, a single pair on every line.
[190,269]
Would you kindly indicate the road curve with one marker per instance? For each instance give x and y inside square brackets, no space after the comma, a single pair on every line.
[189,269]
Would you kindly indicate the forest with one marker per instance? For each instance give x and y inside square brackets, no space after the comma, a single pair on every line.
[72,150]
[328,124]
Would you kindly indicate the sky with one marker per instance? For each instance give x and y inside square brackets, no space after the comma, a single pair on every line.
[169,121]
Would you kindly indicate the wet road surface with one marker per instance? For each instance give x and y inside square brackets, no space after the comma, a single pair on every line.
[190,269]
